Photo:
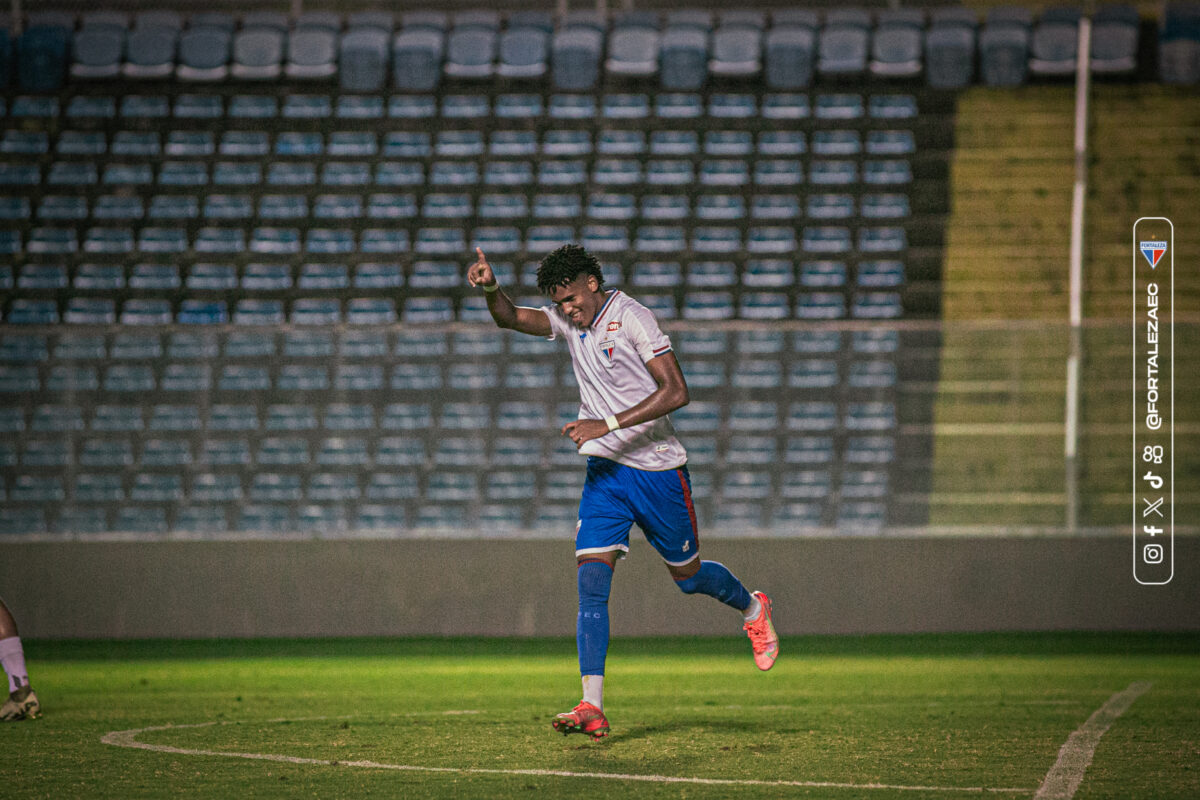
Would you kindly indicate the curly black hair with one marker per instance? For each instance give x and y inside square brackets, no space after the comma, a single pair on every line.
[566,264]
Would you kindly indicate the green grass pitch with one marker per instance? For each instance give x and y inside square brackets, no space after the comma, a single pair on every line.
[907,717]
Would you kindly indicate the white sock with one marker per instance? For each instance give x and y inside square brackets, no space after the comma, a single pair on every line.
[593,690]
[753,610]
[12,658]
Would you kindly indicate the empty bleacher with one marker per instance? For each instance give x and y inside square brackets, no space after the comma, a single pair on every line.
[233,293]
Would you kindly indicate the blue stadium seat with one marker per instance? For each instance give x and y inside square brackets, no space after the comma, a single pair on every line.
[633,47]
[575,52]
[789,49]
[711,274]
[877,305]
[1115,39]
[333,486]
[60,207]
[34,106]
[258,48]
[364,52]
[525,45]
[136,143]
[625,106]
[135,347]
[768,273]
[312,46]
[1054,44]
[806,484]
[708,305]
[774,207]
[821,305]
[204,48]
[678,105]
[725,105]
[892,106]
[397,451]
[781,143]
[308,344]
[471,45]
[724,172]
[842,48]
[882,239]
[870,450]
[25,143]
[99,45]
[838,142]
[737,45]
[683,54]
[425,310]
[198,106]
[102,487]
[861,515]
[884,143]
[950,47]
[151,46]
[778,172]
[823,274]
[1004,46]
[42,52]
[896,43]
[322,519]
[572,106]
[119,418]
[465,106]
[659,207]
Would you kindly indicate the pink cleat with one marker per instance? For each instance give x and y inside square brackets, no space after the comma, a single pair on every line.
[584,718]
[762,635]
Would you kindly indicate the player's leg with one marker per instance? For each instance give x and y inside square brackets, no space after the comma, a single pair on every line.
[601,538]
[668,517]
[22,703]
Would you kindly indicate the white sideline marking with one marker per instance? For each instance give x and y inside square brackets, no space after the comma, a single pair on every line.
[129,739]
[1063,779]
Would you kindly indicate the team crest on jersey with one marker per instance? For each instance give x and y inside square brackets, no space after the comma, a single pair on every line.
[1153,252]
[608,347]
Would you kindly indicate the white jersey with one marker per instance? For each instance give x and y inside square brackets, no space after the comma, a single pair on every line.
[610,358]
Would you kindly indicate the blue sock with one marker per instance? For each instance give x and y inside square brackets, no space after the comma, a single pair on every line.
[715,580]
[591,627]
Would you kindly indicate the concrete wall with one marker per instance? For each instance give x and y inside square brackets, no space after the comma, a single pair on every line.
[527,588]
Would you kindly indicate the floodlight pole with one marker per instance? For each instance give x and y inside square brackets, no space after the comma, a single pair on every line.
[1079,198]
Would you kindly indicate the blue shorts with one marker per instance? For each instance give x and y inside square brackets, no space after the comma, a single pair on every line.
[616,496]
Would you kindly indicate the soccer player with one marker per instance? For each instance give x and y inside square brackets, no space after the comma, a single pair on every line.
[22,703]
[629,381]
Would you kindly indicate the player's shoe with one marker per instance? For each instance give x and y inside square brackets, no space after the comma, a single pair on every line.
[584,718]
[21,704]
[762,635]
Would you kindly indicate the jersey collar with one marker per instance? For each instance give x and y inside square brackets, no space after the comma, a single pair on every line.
[604,308]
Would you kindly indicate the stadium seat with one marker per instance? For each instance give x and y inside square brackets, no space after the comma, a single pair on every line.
[678,105]
[841,106]
[768,273]
[471,45]
[633,47]
[888,239]
[204,48]
[417,53]
[312,46]
[150,47]
[333,487]
[789,49]
[684,50]
[659,207]
[890,142]
[737,44]
[896,43]
[842,48]
[1054,45]
[1004,46]
[575,53]
[525,45]
[1115,30]
[820,305]
[258,48]
[364,52]
[950,48]
[99,45]
[887,172]
[823,274]
[42,51]
[572,106]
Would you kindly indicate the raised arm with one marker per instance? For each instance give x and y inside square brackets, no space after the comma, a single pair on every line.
[671,395]
[526,320]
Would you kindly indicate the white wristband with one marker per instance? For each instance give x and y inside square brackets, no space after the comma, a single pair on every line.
[495,287]
[611,422]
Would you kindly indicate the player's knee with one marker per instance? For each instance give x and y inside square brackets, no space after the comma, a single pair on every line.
[690,585]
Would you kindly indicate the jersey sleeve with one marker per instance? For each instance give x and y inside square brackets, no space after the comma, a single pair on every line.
[558,325]
[647,338]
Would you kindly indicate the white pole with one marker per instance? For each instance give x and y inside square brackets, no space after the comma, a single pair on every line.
[1078,199]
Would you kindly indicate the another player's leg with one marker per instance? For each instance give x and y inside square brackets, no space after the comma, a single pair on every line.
[595,575]
[22,702]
